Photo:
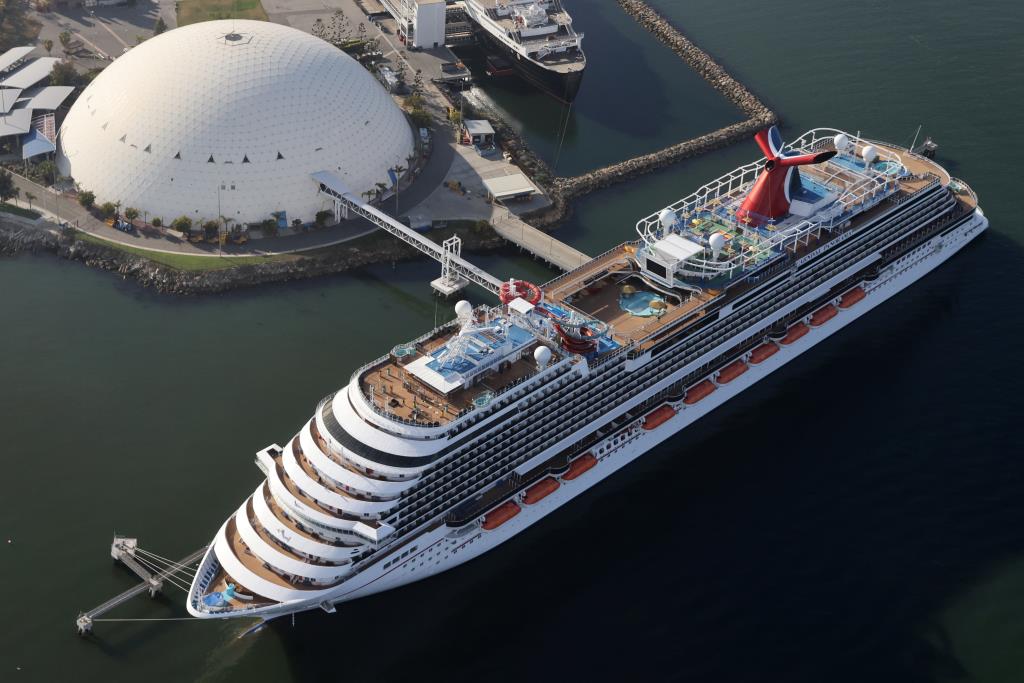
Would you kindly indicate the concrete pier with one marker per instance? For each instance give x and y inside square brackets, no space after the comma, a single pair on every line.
[539,243]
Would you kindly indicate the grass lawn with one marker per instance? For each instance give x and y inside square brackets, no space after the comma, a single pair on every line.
[18,211]
[192,11]
[185,261]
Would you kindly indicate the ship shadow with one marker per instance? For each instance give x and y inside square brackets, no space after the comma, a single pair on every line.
[812,529]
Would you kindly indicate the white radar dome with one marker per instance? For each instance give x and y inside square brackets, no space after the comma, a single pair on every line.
[542,355]
[667,217]
[869,154]
[716,242]
[841,142]
[230,118]
[463,309]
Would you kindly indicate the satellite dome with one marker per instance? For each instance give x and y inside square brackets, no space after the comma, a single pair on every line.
[229,118]
[841,142]
[463,308]
[716,242]
[668,218]
[542,355]
[869,154]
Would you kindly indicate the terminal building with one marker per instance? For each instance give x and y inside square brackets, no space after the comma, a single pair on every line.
[229,120]
[28,104]
[421,23]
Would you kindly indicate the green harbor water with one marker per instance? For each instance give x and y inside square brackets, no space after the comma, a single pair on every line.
[858,516]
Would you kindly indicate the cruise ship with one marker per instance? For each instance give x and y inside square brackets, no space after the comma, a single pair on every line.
[537,38]
[458,440]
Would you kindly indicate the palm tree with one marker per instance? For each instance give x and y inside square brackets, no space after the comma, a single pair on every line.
[48,44]
[31,198]
[381,187]
[65,41]
[131,213]
[397,169]
[369,194]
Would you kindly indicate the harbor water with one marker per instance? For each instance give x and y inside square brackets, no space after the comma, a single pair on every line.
[857,516]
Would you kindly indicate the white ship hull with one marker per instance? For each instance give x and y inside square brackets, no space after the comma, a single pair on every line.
[443,548]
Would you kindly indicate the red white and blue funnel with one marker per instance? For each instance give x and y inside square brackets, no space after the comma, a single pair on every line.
[769,198]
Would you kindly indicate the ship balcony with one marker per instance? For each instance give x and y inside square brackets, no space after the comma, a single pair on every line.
[285,490]
[281,532]
[285,563]
[212,578]
[351,480]
[302,535]
[239,561]
[313,484]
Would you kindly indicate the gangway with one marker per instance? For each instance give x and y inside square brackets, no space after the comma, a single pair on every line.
[456,271]
[124,550]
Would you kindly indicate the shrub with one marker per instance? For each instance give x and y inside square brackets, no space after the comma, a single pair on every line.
[322,217]
[157,221]
[107,210]
[182,224]
[86,199]
[421,118]
[131,213]
[269,227]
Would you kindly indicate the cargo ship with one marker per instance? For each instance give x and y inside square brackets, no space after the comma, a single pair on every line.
[454,442]
[538,40]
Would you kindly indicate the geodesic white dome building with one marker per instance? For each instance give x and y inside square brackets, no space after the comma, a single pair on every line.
[230,118]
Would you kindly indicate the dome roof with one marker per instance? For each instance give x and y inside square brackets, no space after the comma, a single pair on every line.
[235,115]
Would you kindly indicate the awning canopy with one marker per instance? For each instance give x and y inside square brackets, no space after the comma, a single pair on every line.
[478,127]
[32,73]
[8,96]
[509,186]
[35,143]
[677,248]
[13,56]
[17,122]
[50,97]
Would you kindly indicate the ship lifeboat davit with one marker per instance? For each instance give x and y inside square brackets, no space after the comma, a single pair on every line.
[515,289]
[823,315]
[763,352]
[698,391]
[795,333]
[542,489]
[852,297]
[659,416]
[579,466]
[500,515]
[732,371]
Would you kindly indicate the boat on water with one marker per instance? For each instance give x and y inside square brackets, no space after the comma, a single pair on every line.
[455,442]
[536,38]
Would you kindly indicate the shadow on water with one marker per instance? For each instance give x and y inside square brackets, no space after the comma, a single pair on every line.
[819,524]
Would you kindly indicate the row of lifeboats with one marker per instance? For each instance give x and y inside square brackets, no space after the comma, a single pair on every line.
[536,493]
[704,388]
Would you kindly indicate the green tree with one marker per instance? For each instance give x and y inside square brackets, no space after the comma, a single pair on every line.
[160,26]
[7,186]
[29,197]
[322,217]
[269,227]
[107,210]
[157,221]
[182,224]
[63,73]
[65,41]
[48,45]
[380,188]
[47,170]
[421,118]
[86,199]
[131,213]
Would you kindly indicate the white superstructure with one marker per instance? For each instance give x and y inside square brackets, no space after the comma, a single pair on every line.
[458,440]
[230,119]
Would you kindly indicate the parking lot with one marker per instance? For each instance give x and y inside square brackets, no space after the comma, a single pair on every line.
[103,33]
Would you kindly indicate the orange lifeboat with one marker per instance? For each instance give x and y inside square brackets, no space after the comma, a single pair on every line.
[852,297]
[658,416]
[732,371]
[500,515]
[542,489]
[823,315]
[579,466]
[699,391]
[763,352]
[795,333]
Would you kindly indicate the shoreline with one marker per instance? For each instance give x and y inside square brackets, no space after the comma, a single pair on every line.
[375,248]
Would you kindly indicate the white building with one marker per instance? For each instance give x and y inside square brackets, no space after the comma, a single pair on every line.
[420,22]
[231,118]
